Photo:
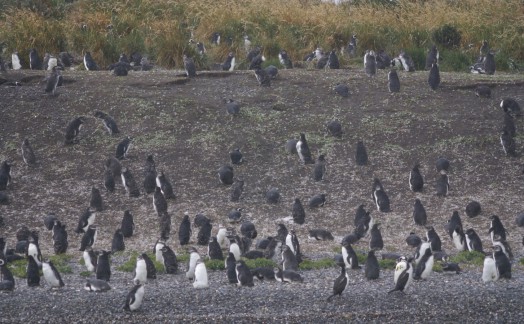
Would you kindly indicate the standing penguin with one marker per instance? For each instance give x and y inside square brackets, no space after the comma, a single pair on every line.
[193,258]
[380,197]
[502,263]
[376,242]
[32,274]
[33,249]
[35,63]
[60,242]
[28,154]
[320,168]
[244,275]
[127,226]
[122,149]
[103,267]
[134,298]
[433,239]
[370,63]
[434,77]
[424,266]
[496,228]
[393,81]
[95,202]
[189,66]
[340,283]
[213,250]
[86,218]
[298,212]
[184,231]
[459,239]
[231,268]
[204,234]
[432,56]
[73,129]
[229,64]
[165,185]
[234,247]
[150,266]
[157,250]
[372,270]
[453,222]
[109,180]
[170,260]
[5,175]
[303,150]
[489,271]
[442,184]
[361,155]
[225,174]
[236,190]
[419,213]
[489,64]
[349,256]
[473,241]
[129,183]
[201,280]
[51,275]
[89,63]
[15,61]
[289,261]
[90,259]
[508,143]
[416,182]
[403,275]
[140,271]
[149,183]
[118,241]
[333,62]
[89,238]
[159,202]
[109,122]
[284,59]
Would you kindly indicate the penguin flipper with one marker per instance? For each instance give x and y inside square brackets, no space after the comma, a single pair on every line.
[401,282]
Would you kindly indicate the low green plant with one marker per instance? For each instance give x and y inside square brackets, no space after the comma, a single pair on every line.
[61,263]
[85,274]
[215,264]
[130,264]
[317,264]
[521,261]
[260,263]
[467,257]
[18,268]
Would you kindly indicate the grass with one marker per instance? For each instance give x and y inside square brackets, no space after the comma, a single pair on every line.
[130,264]
[18,268]
[466,257]
[162,28]
[317,264]
[60,261]
[521,261]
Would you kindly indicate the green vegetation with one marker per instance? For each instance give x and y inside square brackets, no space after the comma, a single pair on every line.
[521,261]
[18,268]
[85,273]
[61,263]
[466,257]
[129,265]
[215,264]
[162,28]
[317,264]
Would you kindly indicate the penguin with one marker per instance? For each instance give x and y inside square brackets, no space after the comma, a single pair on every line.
[502,263]
[442,185]
[73,129]
[424,266]
[164,222]
[489,271]
[284,59]
[363,222]
[317,201]
[383,60]
[5,175]
[403,275]
[289,261]
[459,239]
[229,64]
[509,124]
[520,220]
[252,53]
[291,146]
[170,260]
[122,149]
[159,202]
[32,272]
[225,174]
[483,91]
[233,109]
[393,81]
[453,222]
[416,182]
[50,62]
[263,273]
[489,64]
[442,164]
[150,266]
[193,258]
[201,280]
[200,220]
[511,105]
[272,71]
[95,202]
[273,196]
[333,62]
[231,268]
[321,235]
[235,156]
[85,220]
[236,190]
[4,200]
[140,271]
[288,276]
[376,242]
[433,238]
[508,143]
[282,232]
[322,59]
[33,249]
[184,231]
[380,197]
[103,268]
[235,215]
[127,226]
[60,242]
[189,66]
[109,180]
[66,59]
[303,150]
[89,238]
[157,250]
[421,250]
[7,281]
[165,185]
[254,254]
[120,68]
[118,241]
[89,63]
[361,155]
[222,237]
[129,183]
[214,251]
[149,183]
[15,61]
[349,256]
[473,209]
[372,270]
[496,228]
[90,259]
[35,63]
[28,154]
[473,241]
[204,234]
[434,77]
[370,63]
[340,283]
[51,275]
[96,285]
[108,121]
[234,247]
[298,212]
[352,46]
[342,90]
[273,249]
[244,275]
[432,56]
[407,62]
[134,298]
[419,213]
[504,245]
[334,128]
[248,229]
[263,77]
[263,243]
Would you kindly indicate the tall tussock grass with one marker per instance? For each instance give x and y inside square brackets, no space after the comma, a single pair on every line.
[161,29]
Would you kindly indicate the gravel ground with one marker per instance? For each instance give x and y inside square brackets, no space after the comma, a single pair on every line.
[441,298]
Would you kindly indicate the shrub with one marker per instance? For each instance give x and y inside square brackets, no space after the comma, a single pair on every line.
[447,36]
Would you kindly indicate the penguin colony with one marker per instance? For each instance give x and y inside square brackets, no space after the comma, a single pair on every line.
[282,246]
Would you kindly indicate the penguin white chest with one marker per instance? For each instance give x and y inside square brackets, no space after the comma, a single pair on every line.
[200,276]
[139,297]
[49,275]
[141,272]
